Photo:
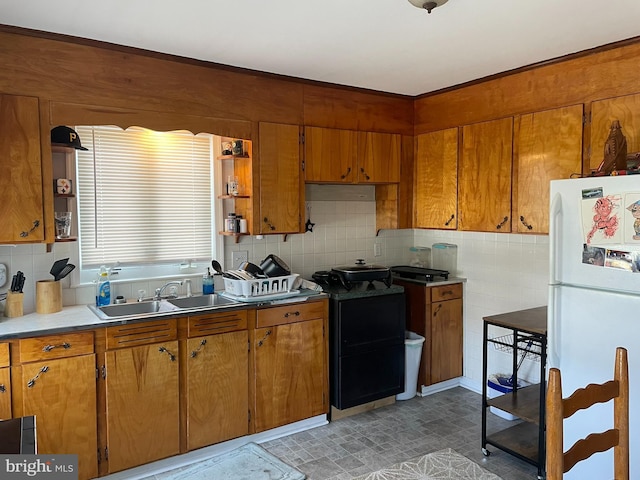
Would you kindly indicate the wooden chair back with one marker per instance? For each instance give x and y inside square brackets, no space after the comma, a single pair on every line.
[559,462]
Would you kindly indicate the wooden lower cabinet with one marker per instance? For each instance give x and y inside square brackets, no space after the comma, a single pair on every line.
[142,404]
[61,393]
[290,365]
[5,393]
[446,340]
[167,386]
[5,383]
[217,388]
[436,314]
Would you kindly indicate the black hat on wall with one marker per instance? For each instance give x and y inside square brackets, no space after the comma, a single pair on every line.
[66,136]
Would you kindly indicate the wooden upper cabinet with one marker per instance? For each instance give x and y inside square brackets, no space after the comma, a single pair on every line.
[347,156]
[436,180]
[624,109]
[379,157]
[330,155]
[21,195]
[484,177]
[281,185]
[548,147]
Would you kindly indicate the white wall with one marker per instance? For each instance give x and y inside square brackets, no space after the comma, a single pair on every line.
[505,272]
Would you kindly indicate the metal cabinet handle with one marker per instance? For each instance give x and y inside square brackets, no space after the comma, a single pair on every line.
[447,292]
[3,389]
[32,382]
[48,348]
[171,355]
[194,353]
[367,177]
[437,309]
[36,224]
[504,220]
[271,227]
[261,342]
[446,224]
[345,175]
[528,225]
[291,314]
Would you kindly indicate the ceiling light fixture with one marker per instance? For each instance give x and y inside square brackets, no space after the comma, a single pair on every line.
[427,5]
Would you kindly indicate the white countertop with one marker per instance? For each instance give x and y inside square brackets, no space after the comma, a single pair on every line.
[80,317]
[69,318]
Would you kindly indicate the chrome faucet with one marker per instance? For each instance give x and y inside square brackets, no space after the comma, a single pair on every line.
[159,291]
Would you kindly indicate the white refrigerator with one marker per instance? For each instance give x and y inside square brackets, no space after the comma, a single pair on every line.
[594,301]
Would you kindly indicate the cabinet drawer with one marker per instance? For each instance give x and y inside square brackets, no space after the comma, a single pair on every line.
[4,354]
[213,323]
[296,312]
[141,333]
[55,346]
[446,292]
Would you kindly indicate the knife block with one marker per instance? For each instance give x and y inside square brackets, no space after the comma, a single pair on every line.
[14,305]
[48,296]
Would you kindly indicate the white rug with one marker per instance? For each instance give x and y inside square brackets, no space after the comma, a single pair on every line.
[442,465]
[249,462]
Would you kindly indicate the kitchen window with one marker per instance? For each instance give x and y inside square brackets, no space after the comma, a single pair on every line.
[145,201]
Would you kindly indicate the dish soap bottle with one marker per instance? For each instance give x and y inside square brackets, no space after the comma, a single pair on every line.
[103,296]
[207,283]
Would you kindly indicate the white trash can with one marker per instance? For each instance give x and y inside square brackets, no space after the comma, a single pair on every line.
[413,352]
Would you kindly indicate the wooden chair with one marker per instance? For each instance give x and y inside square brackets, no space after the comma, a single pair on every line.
[559,462]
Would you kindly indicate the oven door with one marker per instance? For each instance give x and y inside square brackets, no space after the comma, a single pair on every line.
[367,349]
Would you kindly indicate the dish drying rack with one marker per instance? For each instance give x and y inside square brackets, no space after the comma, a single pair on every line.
[260,287]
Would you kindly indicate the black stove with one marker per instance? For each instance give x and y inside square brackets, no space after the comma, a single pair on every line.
[336,281]
[419,273]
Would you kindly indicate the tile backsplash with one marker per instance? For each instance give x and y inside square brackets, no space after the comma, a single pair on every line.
[504,272]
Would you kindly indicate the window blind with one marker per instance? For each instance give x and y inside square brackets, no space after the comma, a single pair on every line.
[144,196]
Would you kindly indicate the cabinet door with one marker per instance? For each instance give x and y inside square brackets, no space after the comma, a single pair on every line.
[142,392]
[624,109]
[379,157]
[330,155]
[484,177]
[281,192]
[5,394]
[62,395]
[446,340]
[217,388]
[436,183]
[548,147]
[289,373]
[21,200]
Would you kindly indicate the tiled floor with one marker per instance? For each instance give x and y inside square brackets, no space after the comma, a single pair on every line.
[408,429]
[366,442]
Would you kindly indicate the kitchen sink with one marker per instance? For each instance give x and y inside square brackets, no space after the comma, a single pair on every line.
[201,301]
[160,308]
[136,309]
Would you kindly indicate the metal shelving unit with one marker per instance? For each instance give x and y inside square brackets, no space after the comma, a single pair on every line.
[528,339]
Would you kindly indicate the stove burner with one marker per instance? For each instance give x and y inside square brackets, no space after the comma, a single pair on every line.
[419,273]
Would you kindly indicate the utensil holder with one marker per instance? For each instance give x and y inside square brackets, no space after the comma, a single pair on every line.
[48,296]
[14,305]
